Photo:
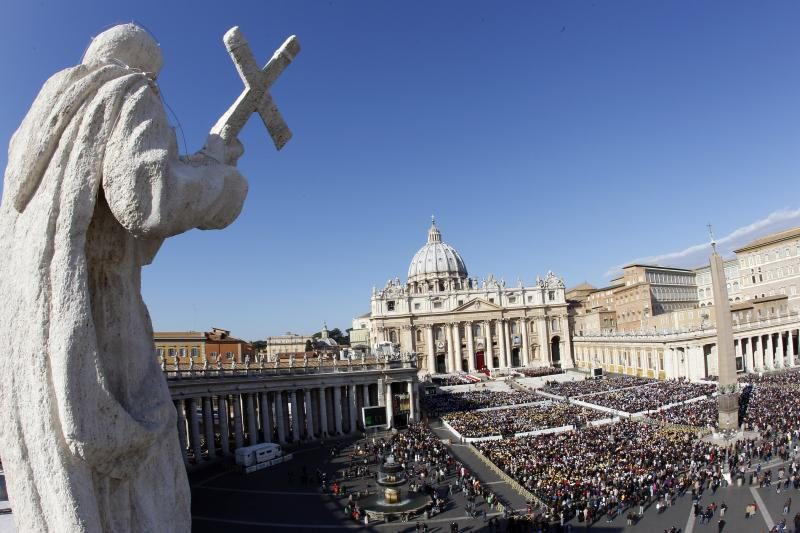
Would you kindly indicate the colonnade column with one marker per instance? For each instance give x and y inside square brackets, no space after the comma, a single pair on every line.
[488,354]
[411,397]
[389,407]
[237,421]
[352,406]
[266,417]
[737,350]
[779,363]
[252,431]
[179,407]
[194,424]
[507,341]
[295,416]
[770,360]
[337,408]
[208,425]
[224,416]
[749,357]
[792,354]
[502,356]
[523,329]
[323,413]
[451,356]
[309,413]
[470,347]
[280,418]
[365,395]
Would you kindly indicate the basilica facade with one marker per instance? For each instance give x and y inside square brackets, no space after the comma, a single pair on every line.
[457,323]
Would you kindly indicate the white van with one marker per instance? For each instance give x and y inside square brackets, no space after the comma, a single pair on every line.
[258,454]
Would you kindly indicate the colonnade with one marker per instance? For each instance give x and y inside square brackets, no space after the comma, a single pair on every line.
[211,425]
[768,351]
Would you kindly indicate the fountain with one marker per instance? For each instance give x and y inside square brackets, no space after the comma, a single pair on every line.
[391,477]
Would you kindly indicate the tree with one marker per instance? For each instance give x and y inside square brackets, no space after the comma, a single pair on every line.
[309,346]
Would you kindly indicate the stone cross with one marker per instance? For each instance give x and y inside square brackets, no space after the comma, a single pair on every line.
[256,97]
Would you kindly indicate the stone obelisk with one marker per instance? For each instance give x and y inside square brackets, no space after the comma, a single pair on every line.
[728,399]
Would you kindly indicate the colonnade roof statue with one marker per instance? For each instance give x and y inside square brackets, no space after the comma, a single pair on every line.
[94,185]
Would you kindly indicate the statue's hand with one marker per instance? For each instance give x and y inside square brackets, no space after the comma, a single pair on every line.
[225,152]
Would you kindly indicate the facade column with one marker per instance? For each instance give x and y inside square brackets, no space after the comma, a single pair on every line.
[266,417]
[194,423]
[224,424]
[792,354]
[309,413]
[252,427]
[295,414]
[780,360]
[389,406]
[337,408]
[488,353]
[280,418]
[507,341]
[502,355]
[208,426]
[411,401]
[457,347]
[451,356]
[179,408]
[353,404]
[431,349]
[523,330]
[323,413]
[471,348]
[544,339]
[237,420]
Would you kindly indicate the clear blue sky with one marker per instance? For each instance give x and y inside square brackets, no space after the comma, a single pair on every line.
[571,136]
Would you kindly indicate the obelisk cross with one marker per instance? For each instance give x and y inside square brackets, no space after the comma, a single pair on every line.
[256,98]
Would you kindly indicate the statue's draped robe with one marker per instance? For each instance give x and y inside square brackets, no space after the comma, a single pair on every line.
[93,186]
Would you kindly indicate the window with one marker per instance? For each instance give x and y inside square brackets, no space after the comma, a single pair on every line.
[195,351]
[171,352]
[390,305]
[228,355]
[160,352]
[416,306]
[461,302]
[419,334]
[437,305]
[530,299]
[491,300]
[551,295]
[183,352]
[512,299]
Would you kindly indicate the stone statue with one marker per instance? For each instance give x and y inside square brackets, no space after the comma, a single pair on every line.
[163,363]
[93,186]
[291,361]
[305,360]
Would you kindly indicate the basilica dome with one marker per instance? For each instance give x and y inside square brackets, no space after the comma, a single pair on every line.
[436,260]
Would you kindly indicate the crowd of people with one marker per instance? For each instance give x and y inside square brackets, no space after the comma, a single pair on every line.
[789,378]
[446,380]
[602,471]
[698,414]
[520,419]
[540,372]
[651,396]
[440,404]
[570,389]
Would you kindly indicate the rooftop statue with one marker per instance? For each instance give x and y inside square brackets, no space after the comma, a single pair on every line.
[93,186]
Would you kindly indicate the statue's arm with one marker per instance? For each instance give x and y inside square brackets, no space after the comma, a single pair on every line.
[153,192]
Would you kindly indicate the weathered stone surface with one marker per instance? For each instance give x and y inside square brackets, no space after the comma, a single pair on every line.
[94,184]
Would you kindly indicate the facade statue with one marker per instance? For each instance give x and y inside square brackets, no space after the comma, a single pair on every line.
[93,186]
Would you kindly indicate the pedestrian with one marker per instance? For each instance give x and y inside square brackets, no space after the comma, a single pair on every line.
[786,506]
[720,525]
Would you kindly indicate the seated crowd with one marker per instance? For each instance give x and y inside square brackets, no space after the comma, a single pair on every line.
[520,419]
[593,386]
[789,378]
[441,404]
[699,414]
[446,380]
[603,470]
[540,372]
[651,396]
